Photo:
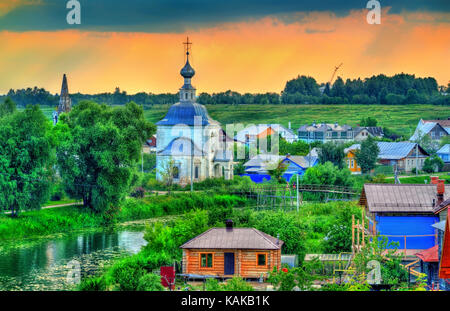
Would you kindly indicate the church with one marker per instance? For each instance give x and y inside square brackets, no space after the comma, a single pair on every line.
[190,144]
[65,104]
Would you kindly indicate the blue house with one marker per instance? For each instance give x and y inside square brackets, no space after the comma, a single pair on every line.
[403,213]
[257,167]
[444,153]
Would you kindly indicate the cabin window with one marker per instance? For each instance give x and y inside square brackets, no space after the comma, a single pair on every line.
[262,259]
[206,260]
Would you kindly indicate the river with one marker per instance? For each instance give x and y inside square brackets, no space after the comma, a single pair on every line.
[54,262]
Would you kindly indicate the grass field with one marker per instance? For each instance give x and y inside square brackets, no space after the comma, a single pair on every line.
[402,119]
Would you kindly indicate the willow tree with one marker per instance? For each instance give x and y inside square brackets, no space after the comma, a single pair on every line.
[99,150]
[26,159]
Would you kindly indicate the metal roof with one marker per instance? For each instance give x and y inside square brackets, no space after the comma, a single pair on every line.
[234,238]
[328,257]
[185,113]
[422,129]
[180,146]
[401,197]
[392,150]
[444,149]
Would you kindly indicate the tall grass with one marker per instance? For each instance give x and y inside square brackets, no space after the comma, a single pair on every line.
[68,218]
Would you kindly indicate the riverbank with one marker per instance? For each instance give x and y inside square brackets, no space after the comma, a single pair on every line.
[70,218]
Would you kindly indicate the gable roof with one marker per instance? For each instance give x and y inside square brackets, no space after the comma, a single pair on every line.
[443,123]
[180,146]
[302,161]
[397,150]
[400,197]
[264,130]
[376,131]
[235,238]
[391,150]
[444,149]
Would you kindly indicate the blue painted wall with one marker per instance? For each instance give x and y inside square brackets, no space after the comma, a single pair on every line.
[408,225]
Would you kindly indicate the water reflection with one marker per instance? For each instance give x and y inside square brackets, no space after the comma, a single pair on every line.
[43,265]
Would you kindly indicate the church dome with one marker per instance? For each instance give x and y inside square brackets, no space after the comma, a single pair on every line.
[185,113]
[187,71]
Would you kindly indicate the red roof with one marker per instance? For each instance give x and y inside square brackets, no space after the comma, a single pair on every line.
[429,255]
[444,267]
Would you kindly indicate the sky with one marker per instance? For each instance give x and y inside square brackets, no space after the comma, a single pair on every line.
[242,45]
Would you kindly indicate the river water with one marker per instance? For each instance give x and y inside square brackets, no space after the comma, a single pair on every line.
[54,262]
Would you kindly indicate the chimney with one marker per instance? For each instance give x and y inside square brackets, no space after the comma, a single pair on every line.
[278,238]
[440,191]
[289,124]
[434,180]
[229,224]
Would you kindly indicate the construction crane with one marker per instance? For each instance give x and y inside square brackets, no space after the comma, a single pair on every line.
[334,73]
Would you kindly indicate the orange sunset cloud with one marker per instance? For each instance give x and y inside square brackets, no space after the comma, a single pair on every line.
[252,56]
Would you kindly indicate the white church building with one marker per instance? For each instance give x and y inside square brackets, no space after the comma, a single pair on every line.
[189,140]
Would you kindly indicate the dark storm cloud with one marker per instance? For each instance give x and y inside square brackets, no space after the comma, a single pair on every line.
[179,15]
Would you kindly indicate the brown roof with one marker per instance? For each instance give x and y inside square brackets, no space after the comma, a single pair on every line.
[236,238]
[441,206]
[443,123]
[401,197]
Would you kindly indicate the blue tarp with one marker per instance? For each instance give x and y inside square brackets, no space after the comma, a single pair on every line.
[409,226]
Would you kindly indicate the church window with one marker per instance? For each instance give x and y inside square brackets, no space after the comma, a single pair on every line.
[196,172]
[176,172]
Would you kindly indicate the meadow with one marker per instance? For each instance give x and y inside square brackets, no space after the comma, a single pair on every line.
[402,119]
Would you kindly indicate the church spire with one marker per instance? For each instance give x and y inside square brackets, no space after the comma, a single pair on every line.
[187,91]
[65,103]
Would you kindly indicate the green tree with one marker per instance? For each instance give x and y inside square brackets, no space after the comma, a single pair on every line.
[277,172]
[26,160]
[99,152]
[433,164]
[332,152]
[369,121]
[7,107]
[367,156]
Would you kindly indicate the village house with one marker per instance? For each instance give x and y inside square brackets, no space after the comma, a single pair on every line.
[404,156]
[322,132]
[252,133]
[404,213]
[229,251]
[444,153]
[350,159]
[432,259]
[257,167]
[435,129]
[361,133]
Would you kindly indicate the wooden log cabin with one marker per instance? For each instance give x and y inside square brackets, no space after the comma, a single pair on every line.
[227,252]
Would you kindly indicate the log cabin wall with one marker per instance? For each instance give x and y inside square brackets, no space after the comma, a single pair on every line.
[245,262]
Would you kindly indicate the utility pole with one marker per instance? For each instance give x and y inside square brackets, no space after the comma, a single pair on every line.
[417,159]
[297,194]
[142,161]
[192,166]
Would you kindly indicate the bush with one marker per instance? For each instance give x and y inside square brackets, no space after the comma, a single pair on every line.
[287,226]
[139,192]
[237,284]
[150,282]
